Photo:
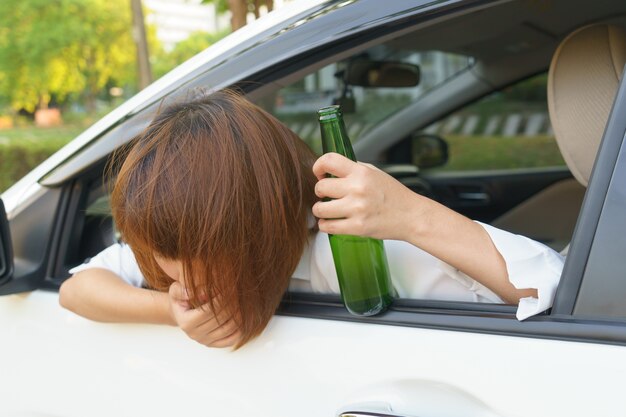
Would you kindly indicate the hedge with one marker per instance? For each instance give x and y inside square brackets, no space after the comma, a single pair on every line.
[18,159]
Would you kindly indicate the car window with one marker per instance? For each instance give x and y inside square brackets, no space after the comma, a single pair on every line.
[363,106]
[508,129]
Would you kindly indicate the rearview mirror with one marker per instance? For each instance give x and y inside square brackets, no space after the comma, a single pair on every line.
[429,151]
[6,251]
[365,73]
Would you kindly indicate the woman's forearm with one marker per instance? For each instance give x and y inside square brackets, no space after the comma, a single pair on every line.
[463,244]
[100,295]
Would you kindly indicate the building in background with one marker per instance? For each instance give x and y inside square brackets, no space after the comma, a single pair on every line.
[175,20]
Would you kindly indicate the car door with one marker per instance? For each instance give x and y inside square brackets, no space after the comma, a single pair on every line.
[61,364]
[422,358]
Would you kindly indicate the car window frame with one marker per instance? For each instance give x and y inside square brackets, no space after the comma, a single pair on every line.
[598,193]
[444,315]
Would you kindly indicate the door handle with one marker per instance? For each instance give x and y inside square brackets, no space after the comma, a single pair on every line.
[414,398]
[370,409]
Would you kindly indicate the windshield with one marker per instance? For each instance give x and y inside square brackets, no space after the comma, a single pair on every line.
[363,106]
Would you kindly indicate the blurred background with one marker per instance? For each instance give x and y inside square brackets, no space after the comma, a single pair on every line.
[66,63]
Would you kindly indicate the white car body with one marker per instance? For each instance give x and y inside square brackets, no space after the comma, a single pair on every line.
[55,363]
[300,366]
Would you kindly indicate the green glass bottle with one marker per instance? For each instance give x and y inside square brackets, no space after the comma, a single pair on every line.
[360,262]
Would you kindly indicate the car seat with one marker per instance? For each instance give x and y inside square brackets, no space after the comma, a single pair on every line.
[584,75]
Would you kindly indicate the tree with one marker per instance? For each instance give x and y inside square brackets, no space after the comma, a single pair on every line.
[62,47]
[141,45]
[183,50]
[239,9]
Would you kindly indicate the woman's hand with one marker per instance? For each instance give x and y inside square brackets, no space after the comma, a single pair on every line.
[366,201]
[200,323]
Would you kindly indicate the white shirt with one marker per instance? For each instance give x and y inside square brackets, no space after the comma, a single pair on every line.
[414,273]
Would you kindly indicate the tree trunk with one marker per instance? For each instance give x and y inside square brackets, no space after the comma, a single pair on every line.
[44,99]
[139,35]
[238,10]
[90,101]
[257,6]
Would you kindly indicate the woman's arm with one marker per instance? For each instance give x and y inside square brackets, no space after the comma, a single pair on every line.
[368,202]
[465,245]
[101,295]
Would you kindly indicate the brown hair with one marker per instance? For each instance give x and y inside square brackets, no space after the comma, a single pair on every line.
[224,187]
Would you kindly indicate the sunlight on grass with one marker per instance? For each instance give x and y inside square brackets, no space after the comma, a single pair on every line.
[468,153]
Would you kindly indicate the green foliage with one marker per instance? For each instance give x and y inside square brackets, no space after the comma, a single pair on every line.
[220,5]
[470,153]
[62,47]
[529,96]
[533,90]
[22,149]
[183,50]
[17,160]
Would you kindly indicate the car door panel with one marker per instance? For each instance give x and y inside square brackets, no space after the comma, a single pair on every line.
[485,195]
[298,366]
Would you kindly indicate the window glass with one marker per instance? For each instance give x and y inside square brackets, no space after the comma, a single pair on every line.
[505,130]
[363,106]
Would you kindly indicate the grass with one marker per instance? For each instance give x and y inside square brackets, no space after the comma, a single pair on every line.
[33,135]
[469,153]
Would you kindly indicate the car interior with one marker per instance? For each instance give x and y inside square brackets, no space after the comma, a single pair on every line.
[400,119]
[502,46]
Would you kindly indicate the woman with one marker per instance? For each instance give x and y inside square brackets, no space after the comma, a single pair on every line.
[215,200]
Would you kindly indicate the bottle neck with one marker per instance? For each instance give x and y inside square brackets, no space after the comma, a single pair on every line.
[335,137]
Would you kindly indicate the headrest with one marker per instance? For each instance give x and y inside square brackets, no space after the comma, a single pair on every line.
[584,75]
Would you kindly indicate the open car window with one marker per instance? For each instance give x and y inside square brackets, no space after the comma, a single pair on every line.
[368,106]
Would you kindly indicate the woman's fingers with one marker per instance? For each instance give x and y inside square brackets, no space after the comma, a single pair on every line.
[222,331]
[334,164]
[178,294]
[213,329]
[344,227]
[214,333]
[334,209]
[332,188]
[196,317]
[227,341]
[202,324]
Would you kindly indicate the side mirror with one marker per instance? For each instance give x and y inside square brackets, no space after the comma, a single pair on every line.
[428,151]
[6,248]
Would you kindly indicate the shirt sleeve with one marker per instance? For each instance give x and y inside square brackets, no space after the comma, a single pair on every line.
[119,259]
[529,264]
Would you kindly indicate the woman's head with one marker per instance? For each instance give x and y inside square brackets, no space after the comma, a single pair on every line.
[225,189]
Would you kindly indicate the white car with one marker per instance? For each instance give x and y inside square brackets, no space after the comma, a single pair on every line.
[423,358]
